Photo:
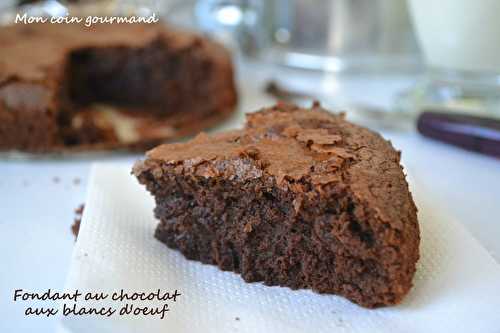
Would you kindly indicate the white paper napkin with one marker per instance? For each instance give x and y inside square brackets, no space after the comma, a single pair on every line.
[457,285]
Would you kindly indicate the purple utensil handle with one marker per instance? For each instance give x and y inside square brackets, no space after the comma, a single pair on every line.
[473,133]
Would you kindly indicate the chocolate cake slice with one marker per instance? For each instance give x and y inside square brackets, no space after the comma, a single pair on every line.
[299,198]
[108,86]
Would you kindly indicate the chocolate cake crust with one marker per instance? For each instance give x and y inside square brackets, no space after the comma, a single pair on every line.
[299,198]
[161,83]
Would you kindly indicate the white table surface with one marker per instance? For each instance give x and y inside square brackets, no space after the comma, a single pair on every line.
[38,197]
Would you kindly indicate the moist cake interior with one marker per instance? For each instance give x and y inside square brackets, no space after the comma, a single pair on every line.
[296,251]
[137,77]
[150,80]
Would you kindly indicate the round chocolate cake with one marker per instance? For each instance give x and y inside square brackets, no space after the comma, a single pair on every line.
[108,86]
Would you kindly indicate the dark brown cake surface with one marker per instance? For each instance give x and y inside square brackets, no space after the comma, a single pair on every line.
[156,84]
[298,198]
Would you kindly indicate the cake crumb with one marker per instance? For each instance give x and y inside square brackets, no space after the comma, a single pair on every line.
[75,227]
[276,90]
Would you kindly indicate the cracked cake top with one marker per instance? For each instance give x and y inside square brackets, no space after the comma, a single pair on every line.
[300,150]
